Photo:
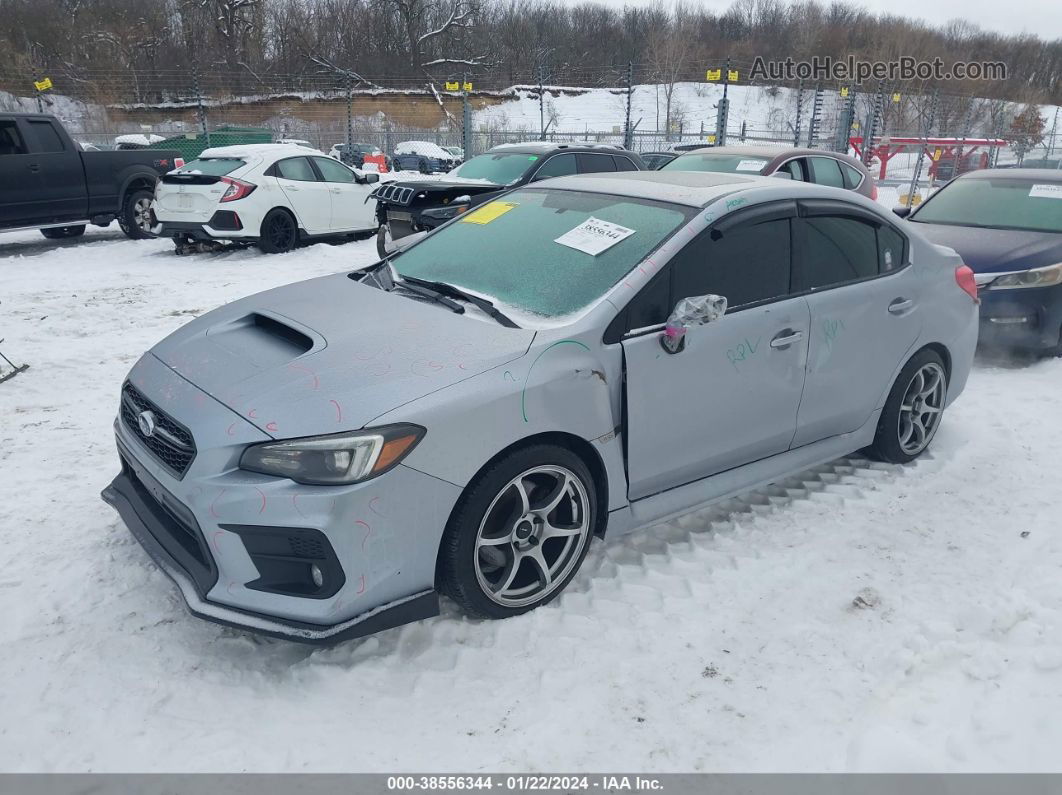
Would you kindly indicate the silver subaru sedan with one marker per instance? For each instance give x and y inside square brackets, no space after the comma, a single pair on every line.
[579,358]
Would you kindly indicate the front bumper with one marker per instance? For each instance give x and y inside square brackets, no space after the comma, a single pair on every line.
[126,495]
[214,529]
[1024,319]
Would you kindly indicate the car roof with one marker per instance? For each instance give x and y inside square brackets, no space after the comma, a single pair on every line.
[701,188]
[543,147]
[1027,174]
[259,150]
[772,151]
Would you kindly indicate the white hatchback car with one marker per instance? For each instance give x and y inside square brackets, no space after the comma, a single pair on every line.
[269,194]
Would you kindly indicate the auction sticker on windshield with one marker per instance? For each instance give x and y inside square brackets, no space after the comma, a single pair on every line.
[751,165]
[1046,191]
[593,236]
[488,212]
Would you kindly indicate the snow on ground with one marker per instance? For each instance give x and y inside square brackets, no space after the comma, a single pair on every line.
[854,617]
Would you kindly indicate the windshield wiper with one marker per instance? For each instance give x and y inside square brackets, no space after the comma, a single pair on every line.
[435,295]
[445,288]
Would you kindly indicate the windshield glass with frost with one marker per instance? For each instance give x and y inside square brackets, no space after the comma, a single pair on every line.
[546,252]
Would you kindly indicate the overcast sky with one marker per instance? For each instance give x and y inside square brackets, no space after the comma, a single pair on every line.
[1039,17]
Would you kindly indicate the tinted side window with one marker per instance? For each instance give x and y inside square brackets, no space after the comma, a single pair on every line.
[10,139]
[891,249]
[827,172]
[590,164]
[746,264]
[852,176]
[296,168]
[48,139]
[650,307]
[333,171]
[836,250]
[557,166]
[624,163]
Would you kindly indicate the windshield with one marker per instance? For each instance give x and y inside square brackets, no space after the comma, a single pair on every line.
[214,166]
[501,168]
[730,164]
[508,250]
[1007,203]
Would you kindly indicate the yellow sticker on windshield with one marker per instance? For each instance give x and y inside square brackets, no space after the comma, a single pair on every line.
[488,212]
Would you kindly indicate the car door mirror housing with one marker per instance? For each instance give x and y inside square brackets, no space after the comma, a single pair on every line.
[697,310]
[903,212]
[782,175]
[370,178]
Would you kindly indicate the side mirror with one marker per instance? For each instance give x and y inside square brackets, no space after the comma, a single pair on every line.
[782,175]
[370,178]
[903,212]
[697,310]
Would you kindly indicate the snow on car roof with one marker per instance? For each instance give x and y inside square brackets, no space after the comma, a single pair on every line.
[421,148]
[259,150]
[138,139]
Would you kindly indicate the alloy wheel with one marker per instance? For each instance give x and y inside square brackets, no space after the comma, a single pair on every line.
[532,536]
[142,215]
[282,231]
[920,410]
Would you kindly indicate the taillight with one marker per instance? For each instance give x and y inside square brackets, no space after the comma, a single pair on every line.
[237,189]
[964,277]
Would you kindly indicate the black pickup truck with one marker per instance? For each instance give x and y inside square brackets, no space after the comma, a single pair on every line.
[47,182]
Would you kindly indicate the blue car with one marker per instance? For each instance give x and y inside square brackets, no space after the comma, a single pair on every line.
[1006,224]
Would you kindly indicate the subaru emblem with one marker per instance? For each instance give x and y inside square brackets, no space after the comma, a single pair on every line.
[145,420]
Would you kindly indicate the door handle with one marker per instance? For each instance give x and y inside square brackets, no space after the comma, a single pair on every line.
[786,338]
[34,167]
[901,305]
[337,190]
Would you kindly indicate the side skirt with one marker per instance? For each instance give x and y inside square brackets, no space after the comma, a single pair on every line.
[723,485]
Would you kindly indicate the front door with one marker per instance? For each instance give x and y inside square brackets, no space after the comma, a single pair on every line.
[20,179]
[61,172]
[350,211]
[310,198]
[865,315]
[731,395]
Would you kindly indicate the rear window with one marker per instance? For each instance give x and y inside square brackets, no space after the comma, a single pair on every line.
[212,166]
[727,164]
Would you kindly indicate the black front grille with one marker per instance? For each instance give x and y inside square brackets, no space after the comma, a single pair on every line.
[394,194]
[171,443]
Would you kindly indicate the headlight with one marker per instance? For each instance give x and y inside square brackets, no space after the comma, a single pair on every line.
[340,458]
[442,213]
[1037,277]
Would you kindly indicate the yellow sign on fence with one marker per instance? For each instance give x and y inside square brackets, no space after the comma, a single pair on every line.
[732,75]
[714,74]
[466,86]
[455,86]
[896,97]
[43,85]
[844,91]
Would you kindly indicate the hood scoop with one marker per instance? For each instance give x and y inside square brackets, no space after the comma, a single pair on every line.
[265,338]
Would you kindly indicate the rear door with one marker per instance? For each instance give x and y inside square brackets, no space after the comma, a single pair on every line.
[731,395]
[865,314]
[309,196]
[826,171]
[350,210]
[62,176]
[20,179]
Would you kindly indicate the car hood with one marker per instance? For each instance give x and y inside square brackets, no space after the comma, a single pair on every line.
[996,250]
[330,354]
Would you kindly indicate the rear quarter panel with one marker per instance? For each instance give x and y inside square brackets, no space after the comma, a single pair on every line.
[108,174]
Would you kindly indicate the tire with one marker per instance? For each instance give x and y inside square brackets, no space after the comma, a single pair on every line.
[61,232]
[135,217]
[521,566]
[279,232]
[423,167]
[385,244]
[913,410]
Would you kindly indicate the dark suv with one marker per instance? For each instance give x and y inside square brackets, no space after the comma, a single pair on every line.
[408,206]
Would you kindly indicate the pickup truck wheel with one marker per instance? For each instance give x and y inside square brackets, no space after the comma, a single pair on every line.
[279,232]
[135,218]
[59,232]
